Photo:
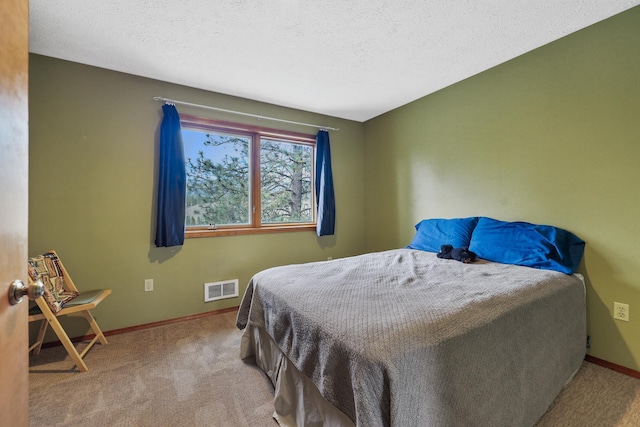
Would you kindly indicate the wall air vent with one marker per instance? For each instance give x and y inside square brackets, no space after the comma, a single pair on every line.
[220,290]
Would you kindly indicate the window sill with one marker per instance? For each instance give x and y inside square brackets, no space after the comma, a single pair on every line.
[240,231]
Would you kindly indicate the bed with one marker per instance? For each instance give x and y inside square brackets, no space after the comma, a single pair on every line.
[403,338]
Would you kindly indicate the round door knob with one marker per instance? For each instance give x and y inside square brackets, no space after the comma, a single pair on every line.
[18,290]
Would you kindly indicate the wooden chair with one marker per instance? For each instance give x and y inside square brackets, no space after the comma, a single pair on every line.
[61,298]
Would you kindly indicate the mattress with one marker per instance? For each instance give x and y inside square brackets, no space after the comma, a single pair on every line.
[401,338]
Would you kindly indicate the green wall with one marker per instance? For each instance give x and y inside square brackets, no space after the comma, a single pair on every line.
[550,137]
[93,154]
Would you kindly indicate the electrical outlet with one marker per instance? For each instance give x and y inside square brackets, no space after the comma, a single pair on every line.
[148,285]
[621,311]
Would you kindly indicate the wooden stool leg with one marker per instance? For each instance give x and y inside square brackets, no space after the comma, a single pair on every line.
[94,327]
[38,344]
[68,345]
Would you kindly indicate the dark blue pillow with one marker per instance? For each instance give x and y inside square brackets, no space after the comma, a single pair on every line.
[521,243]
[433,233]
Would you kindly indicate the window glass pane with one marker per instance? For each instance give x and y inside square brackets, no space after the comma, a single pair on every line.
[218,185]
[285,176]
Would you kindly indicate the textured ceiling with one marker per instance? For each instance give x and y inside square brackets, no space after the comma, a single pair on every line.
[350,59]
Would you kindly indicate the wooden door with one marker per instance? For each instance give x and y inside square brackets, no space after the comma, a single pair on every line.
[14,164]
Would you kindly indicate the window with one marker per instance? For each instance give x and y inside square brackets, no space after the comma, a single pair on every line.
[243,179]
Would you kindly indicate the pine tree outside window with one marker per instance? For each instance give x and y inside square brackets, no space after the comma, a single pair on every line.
[243,179]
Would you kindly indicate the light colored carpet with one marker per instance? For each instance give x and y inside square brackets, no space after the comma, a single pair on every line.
[597,397]
[183,374]
[190,374]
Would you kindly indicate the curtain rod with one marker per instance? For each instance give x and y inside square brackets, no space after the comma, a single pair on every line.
[207,107]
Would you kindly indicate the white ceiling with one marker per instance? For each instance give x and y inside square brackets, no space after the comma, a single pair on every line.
[349,59]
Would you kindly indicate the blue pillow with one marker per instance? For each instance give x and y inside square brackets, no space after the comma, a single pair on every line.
[521,243]
[433,233]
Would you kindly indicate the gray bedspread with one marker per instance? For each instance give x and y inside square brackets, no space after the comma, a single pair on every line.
[402,338]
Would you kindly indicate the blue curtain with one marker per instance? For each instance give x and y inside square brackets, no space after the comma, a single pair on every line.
[172,181]
[326,216]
